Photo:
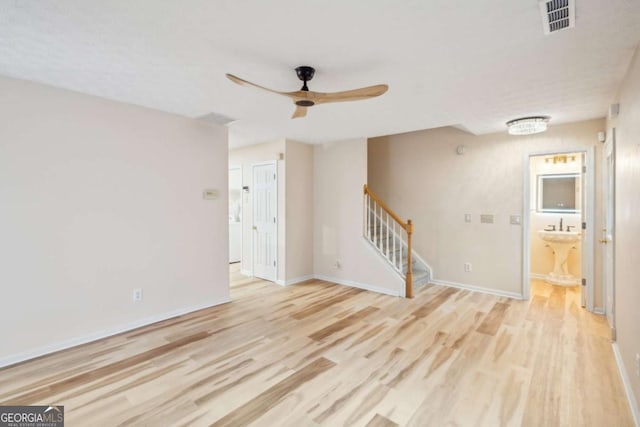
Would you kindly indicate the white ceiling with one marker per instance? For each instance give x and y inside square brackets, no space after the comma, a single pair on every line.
[474,63]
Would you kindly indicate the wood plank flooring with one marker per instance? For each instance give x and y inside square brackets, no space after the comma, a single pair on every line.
[321,354]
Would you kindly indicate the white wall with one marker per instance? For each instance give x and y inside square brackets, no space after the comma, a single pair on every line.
[340,172]
[627,223]
[246,157]
[420,175]
[299,211]
[97,198]
[542,258]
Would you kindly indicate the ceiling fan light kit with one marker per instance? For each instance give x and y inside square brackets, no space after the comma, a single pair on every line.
[305,98]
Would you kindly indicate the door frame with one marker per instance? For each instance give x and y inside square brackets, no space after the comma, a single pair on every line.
[609,234]
[253,204]
[239,167]
[588,255]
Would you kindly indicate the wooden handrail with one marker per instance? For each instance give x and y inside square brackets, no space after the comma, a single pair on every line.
[387,209]
[408,227]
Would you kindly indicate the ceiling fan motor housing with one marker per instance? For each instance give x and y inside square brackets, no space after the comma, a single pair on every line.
[305,73]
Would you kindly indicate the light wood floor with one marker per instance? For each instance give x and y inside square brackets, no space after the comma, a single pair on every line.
[321,354]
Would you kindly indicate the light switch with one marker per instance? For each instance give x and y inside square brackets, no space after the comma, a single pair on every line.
[486,218]
[516,219]
[210,194]
[467,217]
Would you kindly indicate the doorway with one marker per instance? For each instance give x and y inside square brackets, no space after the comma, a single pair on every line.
[264,220]
[558,223]
[235,214]
[608,230]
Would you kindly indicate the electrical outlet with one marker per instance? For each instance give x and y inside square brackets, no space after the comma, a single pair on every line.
[137,295]
[337,265]
[467,217]
[516,219]
[467,267]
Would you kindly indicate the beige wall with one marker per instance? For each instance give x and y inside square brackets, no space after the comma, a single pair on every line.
[340,172]
[98,198]
[542,256]
[246,157]
[422,178]
[627,222]
[299,211]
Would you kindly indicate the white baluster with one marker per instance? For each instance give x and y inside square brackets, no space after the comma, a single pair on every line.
[375,222]
[401,256]
[387,243]
[366,216]
[379,228]
[393,235]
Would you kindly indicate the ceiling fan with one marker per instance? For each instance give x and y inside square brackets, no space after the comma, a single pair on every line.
[305,98]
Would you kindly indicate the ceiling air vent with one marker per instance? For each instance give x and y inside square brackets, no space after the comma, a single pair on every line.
[216,118]
[557,15]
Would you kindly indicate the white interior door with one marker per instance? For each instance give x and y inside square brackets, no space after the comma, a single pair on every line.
[608,230]
[265,207]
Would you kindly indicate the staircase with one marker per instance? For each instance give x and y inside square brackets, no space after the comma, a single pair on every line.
[391,236]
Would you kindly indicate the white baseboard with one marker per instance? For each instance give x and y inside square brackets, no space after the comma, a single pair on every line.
[73,342]
[626,382]
[359,285]
[295,280]
[598,310]
[473,288]
[246,272]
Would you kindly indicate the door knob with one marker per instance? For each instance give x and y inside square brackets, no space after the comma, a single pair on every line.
[605,241]
[255,228]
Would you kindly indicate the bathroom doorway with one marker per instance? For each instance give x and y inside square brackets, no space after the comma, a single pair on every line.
[559,206]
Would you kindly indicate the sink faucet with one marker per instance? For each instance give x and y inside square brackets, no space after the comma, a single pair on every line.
[560,224]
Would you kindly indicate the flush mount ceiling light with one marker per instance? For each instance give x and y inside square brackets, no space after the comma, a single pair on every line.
[528,125]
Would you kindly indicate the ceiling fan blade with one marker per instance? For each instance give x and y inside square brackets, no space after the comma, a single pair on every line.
[348,95]
[242,82]
[299,112]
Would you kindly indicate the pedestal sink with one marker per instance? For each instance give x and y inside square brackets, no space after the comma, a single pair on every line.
[561,243]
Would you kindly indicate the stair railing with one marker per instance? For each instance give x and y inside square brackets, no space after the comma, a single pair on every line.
[390,234]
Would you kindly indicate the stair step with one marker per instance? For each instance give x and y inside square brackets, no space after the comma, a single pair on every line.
[420,278]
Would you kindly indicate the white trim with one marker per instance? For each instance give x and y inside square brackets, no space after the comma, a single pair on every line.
[537,276]
[588,255]
[598,310]
[246,272]
[241,208]
[496,292]
[591,228]
[74,342]
[295,280]
[359,285]
[626,382]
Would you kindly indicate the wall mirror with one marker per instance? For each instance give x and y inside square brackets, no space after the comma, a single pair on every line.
[559,193]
